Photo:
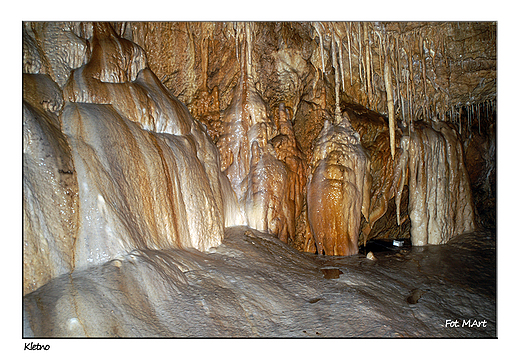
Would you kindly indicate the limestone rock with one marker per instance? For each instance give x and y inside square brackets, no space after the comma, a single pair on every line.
[440,200]
[119,165]
[267,179]
[50,188]
[371,256]
[54,48]
[337,190]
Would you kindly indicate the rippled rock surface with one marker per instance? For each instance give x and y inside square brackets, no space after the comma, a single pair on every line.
[254,285]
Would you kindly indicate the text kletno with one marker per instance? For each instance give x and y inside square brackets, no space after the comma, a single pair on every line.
[37,346]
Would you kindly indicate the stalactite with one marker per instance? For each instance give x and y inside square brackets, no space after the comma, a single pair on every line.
[380,50]
[478,116]
[468,117]
[204,55]
[349,55]
[249,48]
[432,54]
[339,44]
[412,85]
[397,67]
[403,110]
[390,102]
[423,65]
[360,57]
[367,62]
[337,111]
[237,45]
[401,175]
[408,95]
[317,27]
[459,115]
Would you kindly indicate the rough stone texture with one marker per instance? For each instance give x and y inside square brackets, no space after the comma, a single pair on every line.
[263,163]
[478,133]
[254,285]
[440,200]
[338,189]
[373,131]
[288,60]
[437,70]
[125,186]
[54,48]
[122,165]
[50,202]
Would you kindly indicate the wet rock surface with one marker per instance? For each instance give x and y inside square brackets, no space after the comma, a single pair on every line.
[254,285]
[144,143]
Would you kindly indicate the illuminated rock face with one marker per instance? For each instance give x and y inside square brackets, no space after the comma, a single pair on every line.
[263,163]
[124,189]
[50,207]
[374,136]
[337,191]
[440,201]
[120,184]
[121,166]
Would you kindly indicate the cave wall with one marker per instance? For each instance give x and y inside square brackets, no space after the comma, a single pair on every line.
[438,70]
[112,161]
[254,98]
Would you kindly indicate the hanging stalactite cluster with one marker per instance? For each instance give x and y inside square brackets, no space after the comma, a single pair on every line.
[404,71]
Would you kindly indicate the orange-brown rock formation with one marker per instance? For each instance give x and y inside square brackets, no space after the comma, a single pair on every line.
[338,189]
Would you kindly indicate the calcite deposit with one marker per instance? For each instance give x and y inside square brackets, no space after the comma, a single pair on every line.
[440,195]
[338,189]
[128,167]
[187,178]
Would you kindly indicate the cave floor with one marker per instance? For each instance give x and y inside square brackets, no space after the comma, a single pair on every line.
[256,286]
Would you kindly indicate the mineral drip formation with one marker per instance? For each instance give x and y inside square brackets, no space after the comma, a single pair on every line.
[261,159]
[114,164]
[143,136]
[174,172]
[337,190]
[440,201]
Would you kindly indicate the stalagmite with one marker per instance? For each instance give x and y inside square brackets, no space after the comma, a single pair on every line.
[144,180]
[440,206]
[263,184]
[335,189]
[178,207]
